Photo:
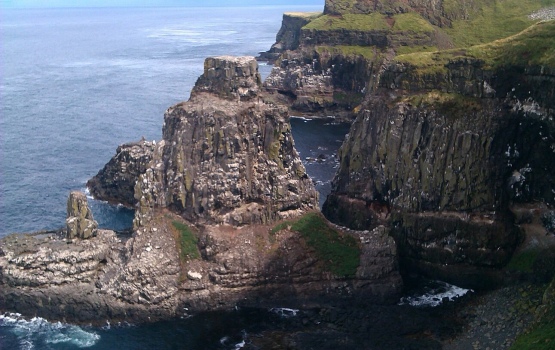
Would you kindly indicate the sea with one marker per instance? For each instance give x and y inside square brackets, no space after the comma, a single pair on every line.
[77,82]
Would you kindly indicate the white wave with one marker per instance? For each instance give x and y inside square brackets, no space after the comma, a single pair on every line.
[39,330]
[87,192]
[284,312]
[434,295]
[301,118]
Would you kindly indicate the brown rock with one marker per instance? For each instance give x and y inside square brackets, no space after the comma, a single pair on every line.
[80,222]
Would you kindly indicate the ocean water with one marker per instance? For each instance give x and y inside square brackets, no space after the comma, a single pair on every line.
[76,83]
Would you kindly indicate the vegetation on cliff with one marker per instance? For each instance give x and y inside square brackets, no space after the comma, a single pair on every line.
[187,241]
[451,24]
[339,252]
[533,46]
[482,21]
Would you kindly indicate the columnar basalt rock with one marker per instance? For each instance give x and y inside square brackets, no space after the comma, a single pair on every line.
[80,222]
[229,78]
[444,153]
[229,156]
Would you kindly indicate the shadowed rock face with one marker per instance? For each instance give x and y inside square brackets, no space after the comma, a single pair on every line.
[443,157]
[115,182]
[80,222]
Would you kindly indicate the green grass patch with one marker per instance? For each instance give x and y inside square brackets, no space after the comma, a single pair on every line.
[341,253]
[488,20]
[411,22]
[351,98]
[404,22]
[523,261]
[349,21]
[187,242]
[368,52]
[533,46]
[541,337]
[306,15]
[404,50]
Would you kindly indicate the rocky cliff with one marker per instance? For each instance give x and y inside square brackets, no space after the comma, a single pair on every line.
[444,148]
[341,53]
[228,156]
[115,183]
[224,215]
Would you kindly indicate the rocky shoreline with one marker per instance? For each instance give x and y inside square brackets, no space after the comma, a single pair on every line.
[448,172]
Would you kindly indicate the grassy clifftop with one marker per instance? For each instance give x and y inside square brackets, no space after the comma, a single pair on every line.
[411,21]
[456,23]
[482,21]
[533,46]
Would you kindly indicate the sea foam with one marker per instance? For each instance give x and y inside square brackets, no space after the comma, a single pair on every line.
[35,333]
[434,294]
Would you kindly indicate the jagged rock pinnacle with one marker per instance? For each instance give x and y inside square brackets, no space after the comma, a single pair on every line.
[80,222]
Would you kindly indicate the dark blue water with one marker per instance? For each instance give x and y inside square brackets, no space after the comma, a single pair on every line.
[218,330]
[317,142]
[76,83]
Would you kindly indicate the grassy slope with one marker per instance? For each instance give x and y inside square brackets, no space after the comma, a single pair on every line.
[474,22]
[339,252]
[491,19]
[534,46]
[374,21]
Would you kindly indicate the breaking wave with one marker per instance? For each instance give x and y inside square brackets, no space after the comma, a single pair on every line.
[434,293]
[38,333]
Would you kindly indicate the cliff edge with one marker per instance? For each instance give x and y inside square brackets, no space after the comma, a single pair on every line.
[225,215]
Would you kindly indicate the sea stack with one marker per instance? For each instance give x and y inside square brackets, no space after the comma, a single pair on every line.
[227,156]
[80,222]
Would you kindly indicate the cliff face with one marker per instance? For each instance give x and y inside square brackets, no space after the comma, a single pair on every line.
[362,36]
[442,150]
[224,216]
[229,157]
[115,182]
[288,37]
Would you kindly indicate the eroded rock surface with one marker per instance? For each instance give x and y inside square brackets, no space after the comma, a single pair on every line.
[115,183]
[227,155]
[443,154]
[80,222]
